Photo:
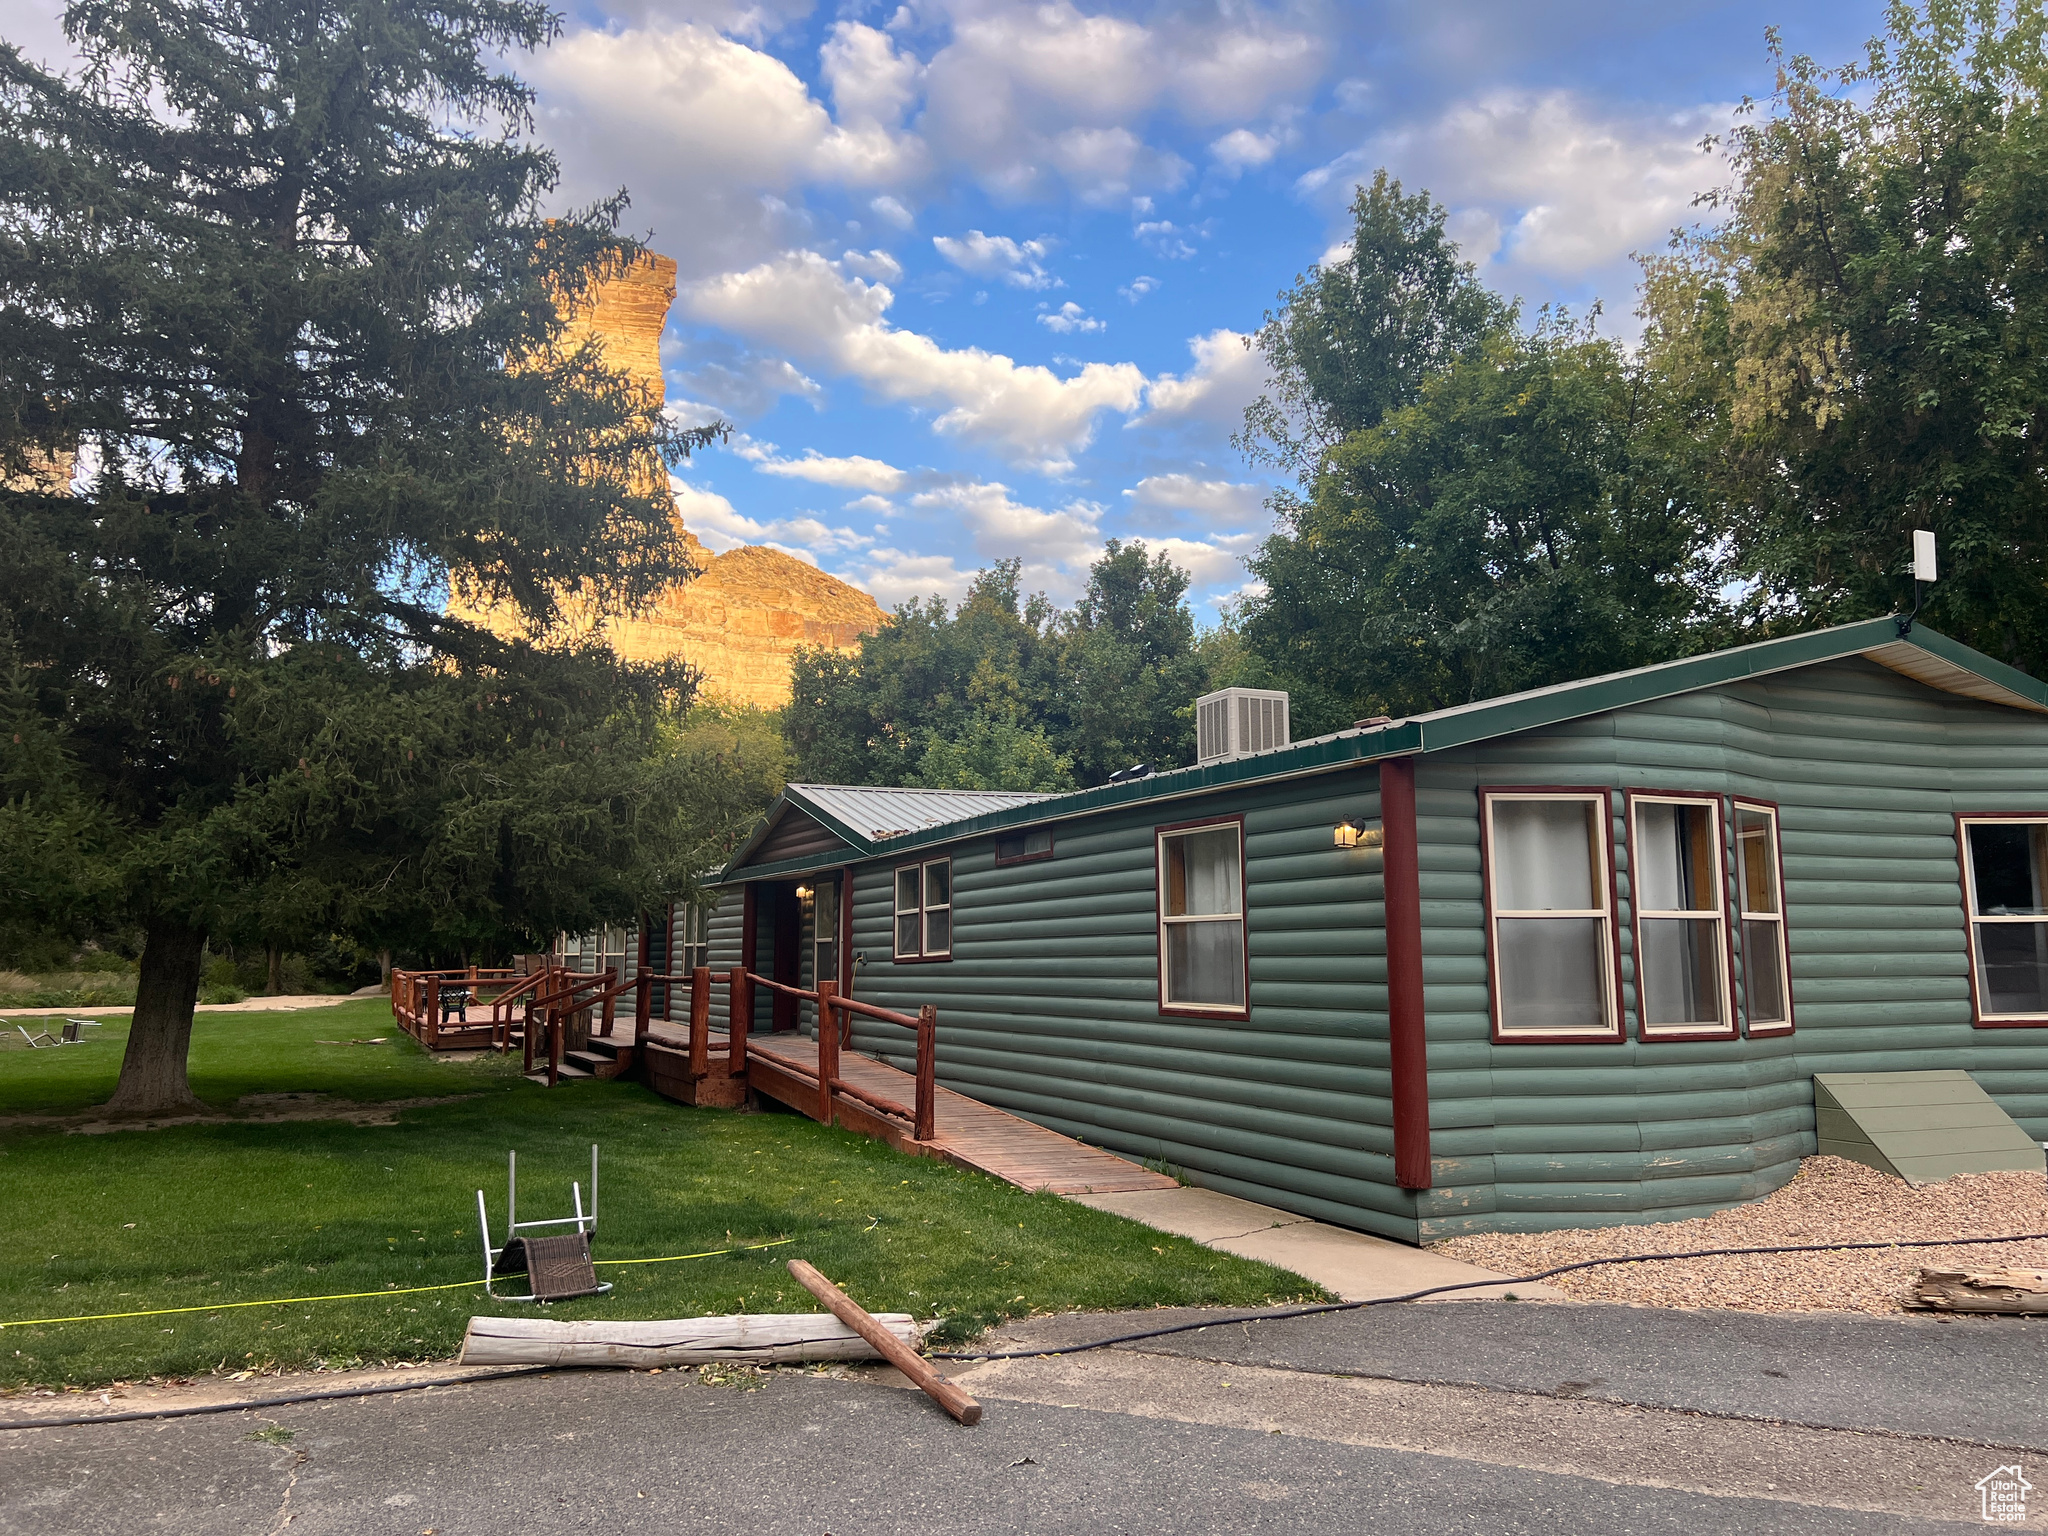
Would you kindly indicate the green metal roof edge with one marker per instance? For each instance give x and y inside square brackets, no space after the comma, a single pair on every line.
[1464,724]
[1989,668]
[787,797]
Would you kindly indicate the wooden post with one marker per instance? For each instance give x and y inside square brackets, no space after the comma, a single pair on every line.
[828,1050]
[555,1032]
[700,1023]
[397,979]
[526,1032]
[887,1345]
[610,1003]
[643,1007]
[927,1125]
[740,1011]
[1407,1032]
[430,1027]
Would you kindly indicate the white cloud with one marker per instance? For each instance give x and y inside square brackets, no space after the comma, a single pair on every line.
[1242,150]
[879,505]
[1003,527]
[1227,377]
[1544,182]
[879,265]
[870,81]
[710,376]
[893,576]
[1208,562]
[1165,237]
[803,304]
[712,135]
[1069,318]
[888,208]
[722,527]
[1019,263]
[1138,287]
[853,473]
[1219,500]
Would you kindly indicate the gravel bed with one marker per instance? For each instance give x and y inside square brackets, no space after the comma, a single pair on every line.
[1829,1200]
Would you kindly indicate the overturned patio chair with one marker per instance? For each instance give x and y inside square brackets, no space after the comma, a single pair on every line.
[557,1267]
[73,1034]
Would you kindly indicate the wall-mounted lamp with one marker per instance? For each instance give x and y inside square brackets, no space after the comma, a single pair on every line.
[1350,836]
[803,893]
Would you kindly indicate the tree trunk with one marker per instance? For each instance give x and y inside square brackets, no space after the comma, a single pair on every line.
[384,968]
[274,984]
[153,1078]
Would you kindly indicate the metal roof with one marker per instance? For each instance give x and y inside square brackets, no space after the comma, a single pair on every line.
[876,814]
[1927,657]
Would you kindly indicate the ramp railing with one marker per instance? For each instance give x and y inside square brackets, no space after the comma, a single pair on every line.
[835,1021]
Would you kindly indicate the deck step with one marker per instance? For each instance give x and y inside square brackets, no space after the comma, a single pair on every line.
[592,1062]
[569,1070]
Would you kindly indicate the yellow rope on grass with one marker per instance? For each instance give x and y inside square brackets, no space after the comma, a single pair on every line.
[414,1290]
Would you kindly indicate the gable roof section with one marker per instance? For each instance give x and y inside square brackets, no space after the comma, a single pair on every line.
[1923,655]
[811,825]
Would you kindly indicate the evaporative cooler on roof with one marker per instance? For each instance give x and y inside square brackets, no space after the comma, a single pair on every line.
[1238,721]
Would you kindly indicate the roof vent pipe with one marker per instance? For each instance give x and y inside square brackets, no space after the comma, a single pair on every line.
[1236,722]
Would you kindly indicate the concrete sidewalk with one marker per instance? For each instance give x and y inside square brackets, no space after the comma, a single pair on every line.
[1348,1264]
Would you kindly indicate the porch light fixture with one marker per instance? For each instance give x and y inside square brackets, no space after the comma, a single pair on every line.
[1350,836]
[803,893]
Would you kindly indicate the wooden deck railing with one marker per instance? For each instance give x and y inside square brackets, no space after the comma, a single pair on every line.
[923,1117]
[416,997]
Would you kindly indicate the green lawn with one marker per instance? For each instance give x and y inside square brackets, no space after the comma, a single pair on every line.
[197,1215]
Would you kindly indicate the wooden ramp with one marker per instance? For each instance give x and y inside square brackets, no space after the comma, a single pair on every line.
[1921,1126]
[970,1134]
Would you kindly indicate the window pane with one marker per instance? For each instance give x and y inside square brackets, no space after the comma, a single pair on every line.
[1549,972]
[1763,979]
[1205,964]
[825,908]
[2012,966]
[1674,858]
[1543,856]
[938,931]
[1025,845]
[826,966]
[2008,860]
[1677,974]
[906,889]
[938,884]
[1202,873]
[906,934]
[1759,860]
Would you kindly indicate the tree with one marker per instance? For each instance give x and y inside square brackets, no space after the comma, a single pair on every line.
[1870,324]
[1357,337]
[278,270]
[1522,523]
[1005,692]
[1129,667]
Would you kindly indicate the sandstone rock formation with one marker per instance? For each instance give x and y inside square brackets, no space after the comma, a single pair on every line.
[742,618]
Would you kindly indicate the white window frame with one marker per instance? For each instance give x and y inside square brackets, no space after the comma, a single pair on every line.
[695,944]
[819,938]
[1744,917]
[1726,1028]
[1602,800]
[1964,821]
[923,910]
[1168,1004]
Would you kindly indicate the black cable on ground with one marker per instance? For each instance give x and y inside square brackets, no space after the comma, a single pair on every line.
[1065,1349]
[190,1410]
[1473,1285]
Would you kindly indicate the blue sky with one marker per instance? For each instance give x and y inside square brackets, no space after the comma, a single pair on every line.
[971,277]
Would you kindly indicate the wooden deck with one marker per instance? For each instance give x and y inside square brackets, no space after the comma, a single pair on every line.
[970,1134]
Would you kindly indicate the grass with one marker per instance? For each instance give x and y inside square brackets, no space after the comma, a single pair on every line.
[205,1214]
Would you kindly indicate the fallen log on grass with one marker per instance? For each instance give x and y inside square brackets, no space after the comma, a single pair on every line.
[762,1338]
[1980,1290]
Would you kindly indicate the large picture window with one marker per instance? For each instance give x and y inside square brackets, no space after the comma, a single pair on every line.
[924,910]
[1201,918]
[1680,903]
[2005,879]
[1760,912]
[1550,912]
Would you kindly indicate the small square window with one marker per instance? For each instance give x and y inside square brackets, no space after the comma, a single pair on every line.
[1024,847]
[924,910]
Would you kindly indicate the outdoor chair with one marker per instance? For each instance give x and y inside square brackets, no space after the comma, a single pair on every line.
[73,1034]
[455,1000]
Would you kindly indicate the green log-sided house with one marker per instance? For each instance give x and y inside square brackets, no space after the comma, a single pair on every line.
[1580,963]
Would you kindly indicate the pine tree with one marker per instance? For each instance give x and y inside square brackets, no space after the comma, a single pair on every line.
[279,273]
